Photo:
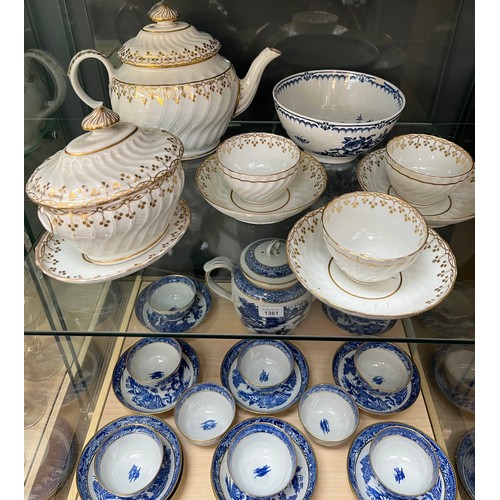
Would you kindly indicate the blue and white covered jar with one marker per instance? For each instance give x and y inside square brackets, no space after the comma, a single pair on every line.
[264,290]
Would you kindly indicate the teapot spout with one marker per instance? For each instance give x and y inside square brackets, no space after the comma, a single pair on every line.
[249,84]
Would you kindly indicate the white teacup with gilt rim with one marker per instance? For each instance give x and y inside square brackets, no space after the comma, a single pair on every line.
[372,236]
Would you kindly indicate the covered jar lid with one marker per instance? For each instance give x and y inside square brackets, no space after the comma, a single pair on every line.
[265,262]
[167,42]
[112,160]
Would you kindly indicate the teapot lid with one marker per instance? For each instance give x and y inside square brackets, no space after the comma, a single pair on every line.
[167,42]
[112,160]
[265,262]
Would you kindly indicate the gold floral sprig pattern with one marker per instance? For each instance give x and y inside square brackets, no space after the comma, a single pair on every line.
[255,139]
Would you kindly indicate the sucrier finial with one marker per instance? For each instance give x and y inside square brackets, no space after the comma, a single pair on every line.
[100,117]
[161,12]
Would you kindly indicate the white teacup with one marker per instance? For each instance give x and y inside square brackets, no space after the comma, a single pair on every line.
[258,166]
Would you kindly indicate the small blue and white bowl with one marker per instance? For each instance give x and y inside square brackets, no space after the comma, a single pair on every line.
[261,460]
[204,412]
[171,297]
[265,364]
[383,368]
[152,361]
[128,460]
[356,324]
[404,462]
[329,414]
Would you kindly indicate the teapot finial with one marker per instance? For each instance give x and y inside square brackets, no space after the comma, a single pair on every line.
[161,12]
[100,117]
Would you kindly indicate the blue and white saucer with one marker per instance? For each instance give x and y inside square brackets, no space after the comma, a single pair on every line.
[300,488]
[346,377]
[285,396]
[465,461]
[195,315]
[167,479]
[458,398]
[367,487]
[152,400]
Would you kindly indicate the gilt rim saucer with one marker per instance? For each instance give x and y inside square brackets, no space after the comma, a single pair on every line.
[153,400]
[307,186]
[357,474]
[195,315]
[300,488]
[345,376]
[253,400]
[59,259]
[163,486]
[418,288]
[459,207]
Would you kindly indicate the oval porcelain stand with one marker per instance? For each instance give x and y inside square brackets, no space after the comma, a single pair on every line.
[173,77]
[265,293]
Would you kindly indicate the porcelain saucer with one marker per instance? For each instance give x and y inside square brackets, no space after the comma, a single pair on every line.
[456,397]
[288,393]
[161,488]
[458,207]
[418,288]
[196,314]
[366,487]
[60,260]
[307,186]
[346,377]
[152,400]
[465,461]
[302,485]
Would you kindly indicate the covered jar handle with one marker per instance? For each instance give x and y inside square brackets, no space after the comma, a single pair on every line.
[218,263]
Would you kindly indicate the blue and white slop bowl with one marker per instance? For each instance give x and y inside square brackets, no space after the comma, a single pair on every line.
[204,412]
[128,460]
[329,414]
[404,462]
[336,115]
[261,460]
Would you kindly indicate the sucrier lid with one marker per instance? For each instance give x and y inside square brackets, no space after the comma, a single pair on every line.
[265,261]
[167,42]
[112,160]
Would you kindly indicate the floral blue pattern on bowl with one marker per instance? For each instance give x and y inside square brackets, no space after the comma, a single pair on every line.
[157,322]
[345,376]
[151,400]
[356,324]
[465,461]
[167,479]
[366,487]
[303,483]
[280,399]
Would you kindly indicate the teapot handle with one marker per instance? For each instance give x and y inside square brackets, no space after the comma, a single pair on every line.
[57,76]
[218,263]
[73,74]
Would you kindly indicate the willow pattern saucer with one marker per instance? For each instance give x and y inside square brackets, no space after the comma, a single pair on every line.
[285,396]
[307,186]
[367,487]
[167,479]
[346,377]
[152,400]
[418,288]
[300,488]
[458,207]
[195,315]
[465,461]
[60,260]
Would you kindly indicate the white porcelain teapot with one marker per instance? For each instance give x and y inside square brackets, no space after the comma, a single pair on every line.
[174,78]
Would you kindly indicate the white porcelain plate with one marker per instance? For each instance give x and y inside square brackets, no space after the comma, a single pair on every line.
[152,400]
[346,377]
[300,488]
[418,288]
[366,486]
[277,400]
[458,207]
[307,186]
[60,260]
[166,481]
